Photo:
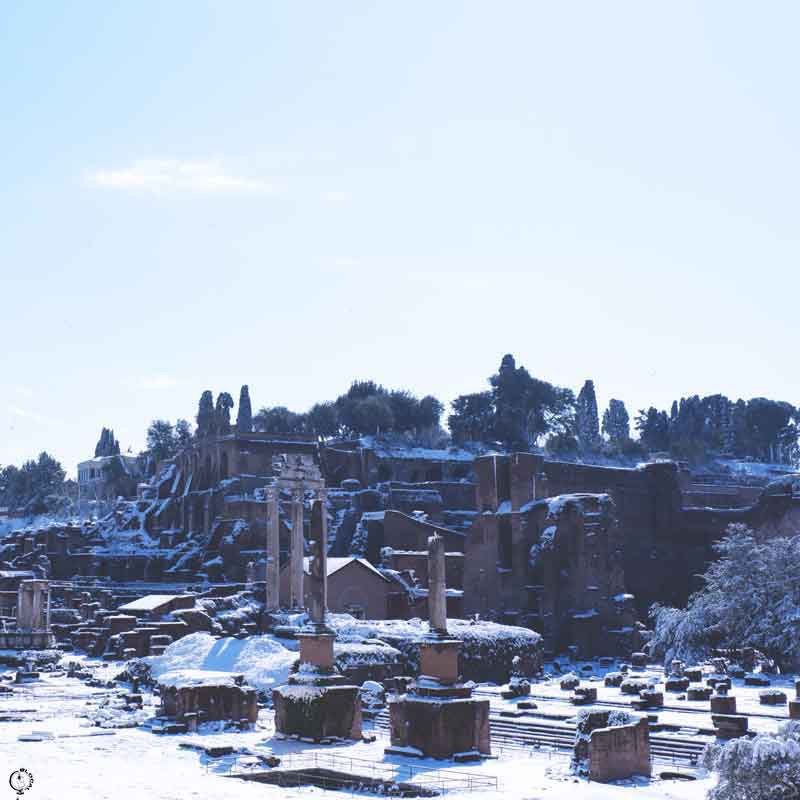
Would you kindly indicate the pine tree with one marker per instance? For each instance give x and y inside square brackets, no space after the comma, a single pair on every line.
[586,417]
[616,423]
[205,415]
[183,433]
[161,439]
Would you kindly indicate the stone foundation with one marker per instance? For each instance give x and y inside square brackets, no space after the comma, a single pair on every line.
[440,727]
[318,712]
[210,702]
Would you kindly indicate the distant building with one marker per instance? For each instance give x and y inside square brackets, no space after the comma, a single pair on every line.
[93,474]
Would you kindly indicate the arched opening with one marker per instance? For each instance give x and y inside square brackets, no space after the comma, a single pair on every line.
[223,466]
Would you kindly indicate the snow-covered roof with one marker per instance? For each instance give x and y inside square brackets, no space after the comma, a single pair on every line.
[335,564]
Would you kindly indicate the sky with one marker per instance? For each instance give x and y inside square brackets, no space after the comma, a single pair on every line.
[293,195]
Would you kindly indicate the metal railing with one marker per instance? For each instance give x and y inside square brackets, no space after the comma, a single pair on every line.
[356,774]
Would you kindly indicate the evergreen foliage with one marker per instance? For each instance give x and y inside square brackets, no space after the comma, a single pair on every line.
[616,423]
[750,597]
[244,415]
[205,415]
[222,414]
[161,439]
[587,421]
[766,766]
[36,487]
[517,411]
[183,434]
[107,445]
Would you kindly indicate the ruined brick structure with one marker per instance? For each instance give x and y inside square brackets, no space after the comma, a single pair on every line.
[559,560]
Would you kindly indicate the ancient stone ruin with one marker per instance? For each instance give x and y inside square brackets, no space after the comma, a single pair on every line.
[192,697]
[438,717]
[318,703]
[32,618]
[611,745]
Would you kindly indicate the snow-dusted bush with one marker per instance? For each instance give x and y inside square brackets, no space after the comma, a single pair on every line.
[767,765]
[751,597]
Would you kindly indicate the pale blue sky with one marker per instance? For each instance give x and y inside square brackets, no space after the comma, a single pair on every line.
[292,195]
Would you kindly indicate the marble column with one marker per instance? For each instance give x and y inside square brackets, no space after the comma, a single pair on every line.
[297,556]
[437,587]
[319,564]
[273,550]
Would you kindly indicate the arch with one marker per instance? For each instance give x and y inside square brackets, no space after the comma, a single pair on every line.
[223,466]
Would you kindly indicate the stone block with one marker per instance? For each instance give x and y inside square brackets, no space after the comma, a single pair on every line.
[699,693]
[633,686]
[723,704]
[569,682]
[619,752]
[440,728]
[676,684]
[729,726]
[772,697]
[316,649]
[639,660]
[439,659]
[318,712]
[584,695]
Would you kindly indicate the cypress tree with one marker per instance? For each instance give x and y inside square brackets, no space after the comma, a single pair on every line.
[244,416]
[205,414]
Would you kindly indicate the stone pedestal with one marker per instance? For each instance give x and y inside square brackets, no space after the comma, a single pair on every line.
[439,660]
[439,725]
[318,707]
[317,649]
[317,703]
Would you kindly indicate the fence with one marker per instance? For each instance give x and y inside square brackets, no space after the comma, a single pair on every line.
[352,773]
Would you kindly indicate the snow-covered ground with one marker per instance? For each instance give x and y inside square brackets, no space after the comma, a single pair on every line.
[74,759]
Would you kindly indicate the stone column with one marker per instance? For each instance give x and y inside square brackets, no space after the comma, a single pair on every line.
[437,586]
[32,606]
[319,563]
[296,561]
[273,550]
